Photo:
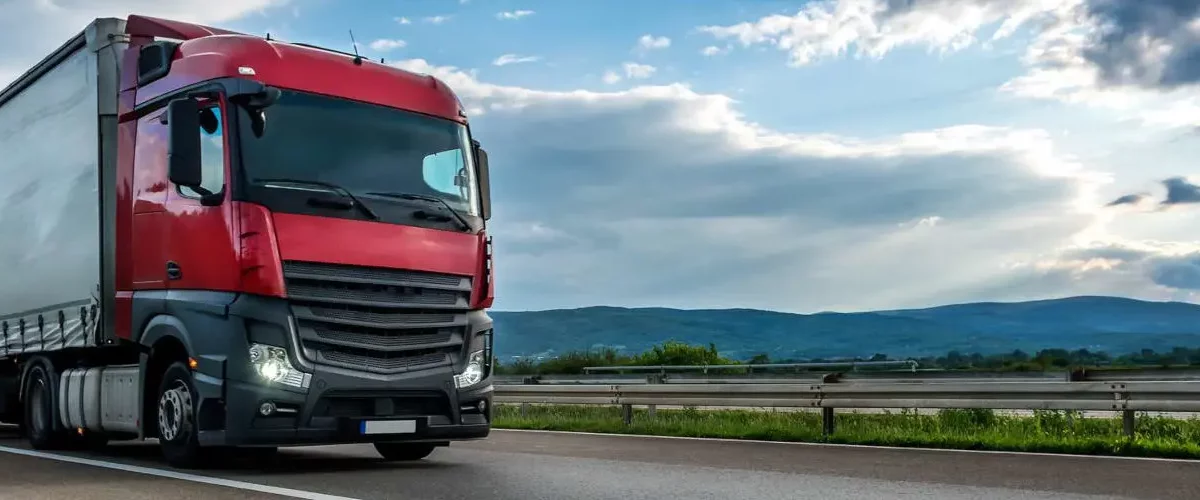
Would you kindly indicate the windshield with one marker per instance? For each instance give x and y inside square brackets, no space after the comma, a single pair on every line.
[363,148]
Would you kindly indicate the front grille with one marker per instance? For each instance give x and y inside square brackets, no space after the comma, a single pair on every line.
[378,320]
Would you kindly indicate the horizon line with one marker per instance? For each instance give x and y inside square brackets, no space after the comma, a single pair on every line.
[861,311]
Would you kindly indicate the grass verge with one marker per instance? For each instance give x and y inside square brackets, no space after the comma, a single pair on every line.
[1046,431]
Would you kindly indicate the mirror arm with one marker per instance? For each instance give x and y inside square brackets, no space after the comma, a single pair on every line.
[209,199]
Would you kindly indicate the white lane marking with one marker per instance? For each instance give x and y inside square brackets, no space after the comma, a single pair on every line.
[241,485]
[861,446]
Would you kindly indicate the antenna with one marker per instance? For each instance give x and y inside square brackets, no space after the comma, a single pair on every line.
[268,36]
[357,58]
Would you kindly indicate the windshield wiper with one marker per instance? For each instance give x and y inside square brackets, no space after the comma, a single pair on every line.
[432,199]
[328,188]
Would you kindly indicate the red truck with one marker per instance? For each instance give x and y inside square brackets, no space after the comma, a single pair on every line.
[219,240]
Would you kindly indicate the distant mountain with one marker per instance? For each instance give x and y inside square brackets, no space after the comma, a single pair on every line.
[1112,324]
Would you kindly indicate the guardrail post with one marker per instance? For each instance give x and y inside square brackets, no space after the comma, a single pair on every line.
[627,414]
[656,378]
[828,423]
[524,410]
[1128,417]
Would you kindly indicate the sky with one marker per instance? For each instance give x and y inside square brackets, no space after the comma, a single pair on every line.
[799,156]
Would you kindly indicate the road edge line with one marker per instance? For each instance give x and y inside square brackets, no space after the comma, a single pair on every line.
[182,476]
[859,446]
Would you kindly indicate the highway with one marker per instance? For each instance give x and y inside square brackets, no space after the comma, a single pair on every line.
[558,466]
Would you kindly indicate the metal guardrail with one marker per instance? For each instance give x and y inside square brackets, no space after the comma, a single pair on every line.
[911,364]
[1141,392]
[919,376]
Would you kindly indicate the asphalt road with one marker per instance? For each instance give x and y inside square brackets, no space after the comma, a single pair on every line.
[528,465]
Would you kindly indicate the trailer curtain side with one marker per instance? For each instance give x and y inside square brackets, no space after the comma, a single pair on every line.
[58,153]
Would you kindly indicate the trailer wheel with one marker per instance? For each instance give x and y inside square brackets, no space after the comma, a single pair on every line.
[39,410]
[404,452]
[178,437]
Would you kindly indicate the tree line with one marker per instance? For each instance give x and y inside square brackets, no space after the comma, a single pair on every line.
[681,353]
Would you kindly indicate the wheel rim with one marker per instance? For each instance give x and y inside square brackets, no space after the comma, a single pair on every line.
[174,406]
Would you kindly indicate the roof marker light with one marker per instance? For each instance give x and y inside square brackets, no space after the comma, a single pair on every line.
[246,70]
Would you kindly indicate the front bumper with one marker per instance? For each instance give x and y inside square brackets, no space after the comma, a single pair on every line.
[338,399]
[338,403]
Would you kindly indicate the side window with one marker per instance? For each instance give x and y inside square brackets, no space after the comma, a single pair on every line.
[440,171]
[212,152]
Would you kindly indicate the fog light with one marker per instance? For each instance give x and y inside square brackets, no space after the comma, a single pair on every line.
[482,406]
[266,409]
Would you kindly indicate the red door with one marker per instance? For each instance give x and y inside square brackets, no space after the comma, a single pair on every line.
[199,249]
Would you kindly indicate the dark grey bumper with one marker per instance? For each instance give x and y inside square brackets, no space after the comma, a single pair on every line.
[337,400]
[338,403]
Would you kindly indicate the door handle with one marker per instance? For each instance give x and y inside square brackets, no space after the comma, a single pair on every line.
[174,272]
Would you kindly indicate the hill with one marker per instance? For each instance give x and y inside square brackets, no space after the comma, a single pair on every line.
[1112,324]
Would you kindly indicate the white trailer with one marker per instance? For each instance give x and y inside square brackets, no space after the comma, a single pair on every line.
[58,152]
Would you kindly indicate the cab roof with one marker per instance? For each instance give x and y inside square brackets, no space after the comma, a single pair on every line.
[206,52]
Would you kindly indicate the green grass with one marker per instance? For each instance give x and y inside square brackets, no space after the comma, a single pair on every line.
[1046,431]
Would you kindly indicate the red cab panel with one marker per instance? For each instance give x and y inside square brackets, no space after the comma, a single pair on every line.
[363,243]
[261,268]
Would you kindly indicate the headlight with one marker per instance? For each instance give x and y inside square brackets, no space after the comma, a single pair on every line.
[272,365]
[473,373]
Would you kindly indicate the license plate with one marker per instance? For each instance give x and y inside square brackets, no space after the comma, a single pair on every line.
[388,427]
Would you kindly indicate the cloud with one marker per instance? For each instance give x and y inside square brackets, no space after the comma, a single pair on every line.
[507,59]
[38,27]
[713,50]
[514,14]
[1138,57]
[1172,266]
[1180,272]
[1129,199]
[1180,191]
[662,195]
[828,28]
[639,71]
[630,70]
[403,20]
[384,45]
[436,19]
[1151,43]
[650,42]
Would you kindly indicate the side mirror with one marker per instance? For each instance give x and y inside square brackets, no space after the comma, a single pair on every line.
[485,185]
[183,143]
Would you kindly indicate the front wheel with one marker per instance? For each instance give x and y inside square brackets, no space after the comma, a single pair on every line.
[404,452]
[178,436]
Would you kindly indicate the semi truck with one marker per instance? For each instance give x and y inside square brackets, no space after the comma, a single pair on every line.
[221,241]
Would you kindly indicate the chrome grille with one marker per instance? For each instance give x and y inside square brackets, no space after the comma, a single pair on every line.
[378,320]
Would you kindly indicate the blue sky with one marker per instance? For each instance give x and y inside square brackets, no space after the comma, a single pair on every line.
[836,154]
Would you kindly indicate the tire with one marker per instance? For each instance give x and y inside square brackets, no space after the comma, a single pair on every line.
[39,415]
[175,417]
[404,452]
